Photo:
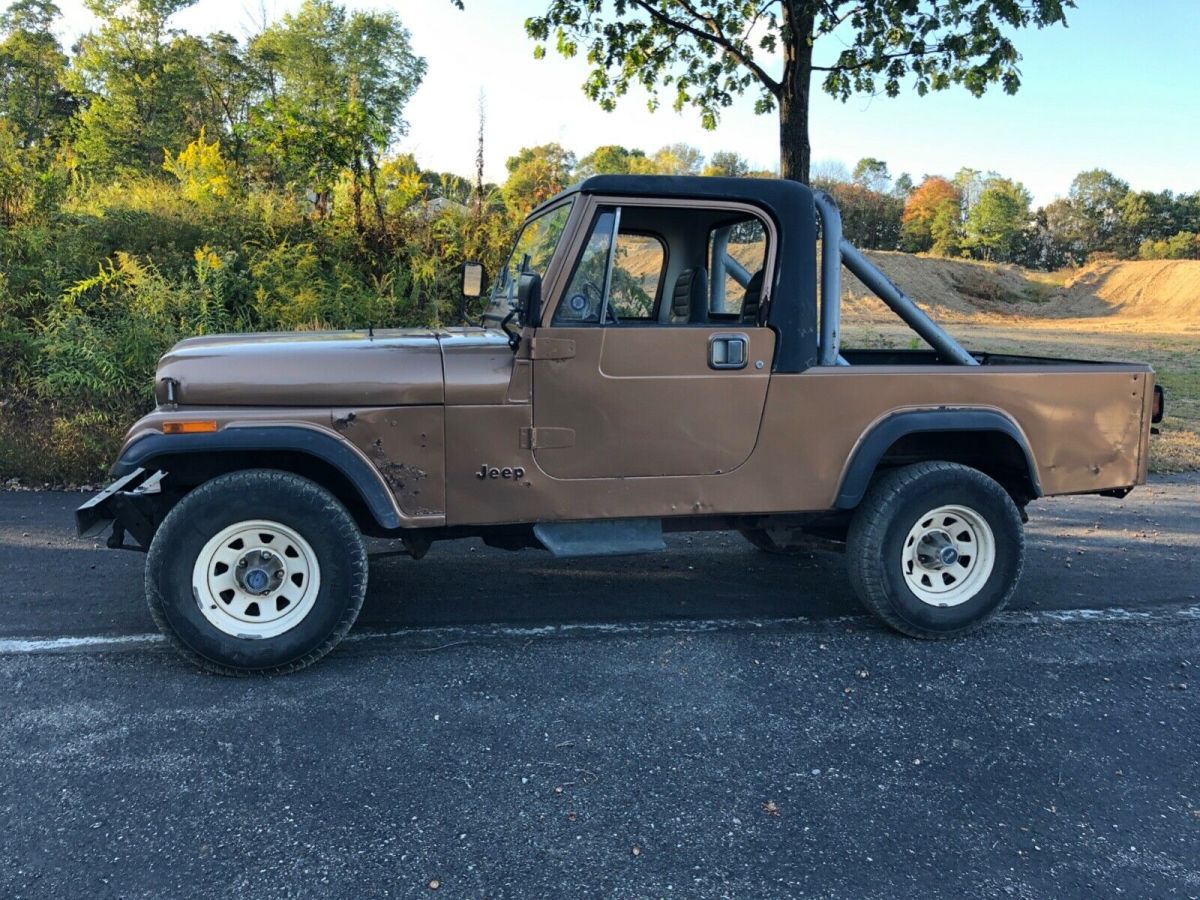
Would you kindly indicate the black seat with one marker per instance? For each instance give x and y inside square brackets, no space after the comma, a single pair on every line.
[689,301]
[752,298]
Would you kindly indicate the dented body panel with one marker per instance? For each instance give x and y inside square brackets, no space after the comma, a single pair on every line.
[1084,426]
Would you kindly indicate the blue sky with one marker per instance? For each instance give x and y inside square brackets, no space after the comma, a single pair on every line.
[1119,89]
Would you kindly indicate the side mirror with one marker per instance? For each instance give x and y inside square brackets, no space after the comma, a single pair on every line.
[529,298]
[473,278]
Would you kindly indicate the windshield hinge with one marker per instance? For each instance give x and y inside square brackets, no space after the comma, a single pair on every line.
[551,348]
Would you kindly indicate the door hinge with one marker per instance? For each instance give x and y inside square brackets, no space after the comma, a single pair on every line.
[551,348]
[547,438]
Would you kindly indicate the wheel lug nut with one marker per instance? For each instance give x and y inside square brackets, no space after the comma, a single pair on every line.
[279,573]
[263,554]
[241,563]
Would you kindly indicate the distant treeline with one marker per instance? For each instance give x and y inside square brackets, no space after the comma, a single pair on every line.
[984,215]
[156,184]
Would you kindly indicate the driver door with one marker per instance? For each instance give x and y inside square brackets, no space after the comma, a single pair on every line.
[630,383]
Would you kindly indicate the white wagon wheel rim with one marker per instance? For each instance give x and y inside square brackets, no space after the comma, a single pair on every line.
[948,555]
[256,579]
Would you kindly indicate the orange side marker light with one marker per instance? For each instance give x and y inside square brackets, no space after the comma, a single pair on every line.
[201,427]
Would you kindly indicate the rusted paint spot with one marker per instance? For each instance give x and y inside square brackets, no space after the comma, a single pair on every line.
[341,423]
[403,479]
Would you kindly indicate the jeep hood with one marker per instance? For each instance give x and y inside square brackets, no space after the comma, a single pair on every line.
[394,367]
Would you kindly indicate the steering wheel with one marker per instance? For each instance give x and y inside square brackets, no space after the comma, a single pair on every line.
[595,295]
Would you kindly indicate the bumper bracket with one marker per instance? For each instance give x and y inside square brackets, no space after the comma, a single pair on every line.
[130,504]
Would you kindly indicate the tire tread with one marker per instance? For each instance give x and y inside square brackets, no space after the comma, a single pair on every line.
[870,524]
[245,480]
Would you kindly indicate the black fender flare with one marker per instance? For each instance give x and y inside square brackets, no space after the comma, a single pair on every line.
[310,441]
[875,444]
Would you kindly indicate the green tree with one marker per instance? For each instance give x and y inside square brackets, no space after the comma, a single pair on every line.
[728,164]
[872,174]
[338,83]
[1054,241]
[708,52]
[610,159]
[870,220]
[32,66]
[1096,197]
[136,78]
[970,184]
[673,159]
[536,174]
[232,85]
[996,223]
[1182,245]
[930,221]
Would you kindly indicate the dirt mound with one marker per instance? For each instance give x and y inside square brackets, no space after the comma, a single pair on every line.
[952,289]
[1146,290]
[1132,295]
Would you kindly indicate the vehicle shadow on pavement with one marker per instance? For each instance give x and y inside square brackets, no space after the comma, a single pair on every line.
[1082,553]
[714,576]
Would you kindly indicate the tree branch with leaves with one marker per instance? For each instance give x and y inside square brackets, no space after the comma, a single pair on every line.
[710,52]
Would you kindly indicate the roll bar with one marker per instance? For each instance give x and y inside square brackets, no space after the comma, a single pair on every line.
[836,251]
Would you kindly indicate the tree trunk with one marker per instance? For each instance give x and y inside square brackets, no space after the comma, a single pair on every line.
[356,193]
[795,152]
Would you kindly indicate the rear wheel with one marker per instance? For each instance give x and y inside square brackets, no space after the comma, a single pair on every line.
[935,549]
[256,572]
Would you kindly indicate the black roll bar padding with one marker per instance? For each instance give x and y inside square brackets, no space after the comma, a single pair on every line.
[831,278]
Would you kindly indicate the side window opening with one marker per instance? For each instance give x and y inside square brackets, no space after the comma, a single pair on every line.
[638,269]
[737,253]
[663,266]
[583,302]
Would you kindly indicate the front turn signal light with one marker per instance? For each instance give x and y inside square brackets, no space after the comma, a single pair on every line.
[202,427]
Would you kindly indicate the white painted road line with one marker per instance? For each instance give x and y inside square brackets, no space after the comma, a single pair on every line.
[442,635]
[88,642]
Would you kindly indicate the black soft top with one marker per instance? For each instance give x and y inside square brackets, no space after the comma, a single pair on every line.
[793,308]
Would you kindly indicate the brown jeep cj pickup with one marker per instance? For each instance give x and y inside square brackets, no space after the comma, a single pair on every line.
[653,359]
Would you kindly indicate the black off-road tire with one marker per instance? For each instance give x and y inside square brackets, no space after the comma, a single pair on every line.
[257,494]
[895,503]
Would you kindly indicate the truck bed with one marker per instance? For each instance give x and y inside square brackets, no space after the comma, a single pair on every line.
[875,357]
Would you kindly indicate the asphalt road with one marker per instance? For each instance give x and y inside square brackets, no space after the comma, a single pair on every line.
[707,722]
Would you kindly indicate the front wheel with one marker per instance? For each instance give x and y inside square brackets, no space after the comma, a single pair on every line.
[935,549]
[256,572]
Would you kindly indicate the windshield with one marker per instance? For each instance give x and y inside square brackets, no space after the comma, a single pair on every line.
[532,253]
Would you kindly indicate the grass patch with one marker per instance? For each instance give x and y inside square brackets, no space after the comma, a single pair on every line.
[44,447]
[1176,449]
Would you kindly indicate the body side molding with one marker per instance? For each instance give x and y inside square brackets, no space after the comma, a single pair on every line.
[875,444]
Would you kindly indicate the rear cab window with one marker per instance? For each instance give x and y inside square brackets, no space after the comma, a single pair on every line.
[737,251]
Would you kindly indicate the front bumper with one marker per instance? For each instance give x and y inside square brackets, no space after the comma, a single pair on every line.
[130,504]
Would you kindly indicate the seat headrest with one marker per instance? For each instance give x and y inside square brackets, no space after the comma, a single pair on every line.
[752,299]
[689,302]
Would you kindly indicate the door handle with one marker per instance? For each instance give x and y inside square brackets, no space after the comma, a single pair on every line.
[728,351]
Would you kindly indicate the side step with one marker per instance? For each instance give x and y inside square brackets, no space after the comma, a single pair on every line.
[610,537]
